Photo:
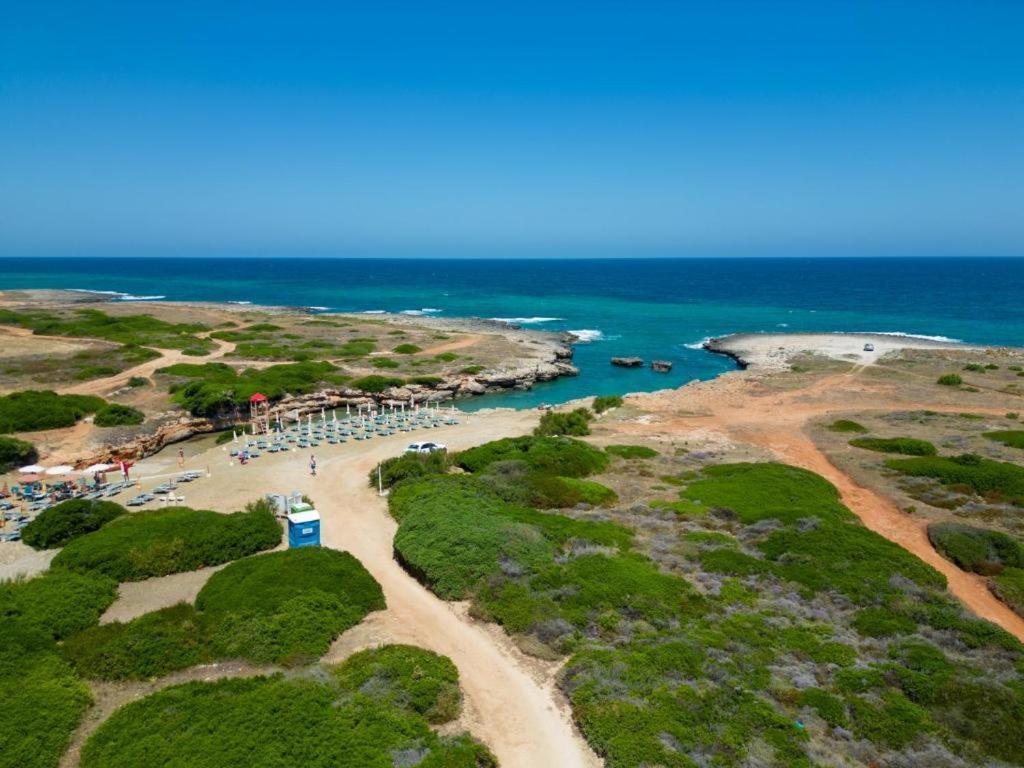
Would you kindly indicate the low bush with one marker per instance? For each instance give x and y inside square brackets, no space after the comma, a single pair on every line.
[950,380]
[471,370]
[406,349]
[545,491]
[56,526]
[58,603]
[16,453]
[410,678]
[34,410]
[1008,586]
[604,403]
[171,540]
[384,362]
[995,480]
[845,425]
[375,383]
[976,549]
[446,357]
[275,721]
[152,645]
[426,381]
[576,423]
[908,446]
[552,455]
[115,415]
[1014,438]
[288,606]
[631,451]
[409,465]
[137,381]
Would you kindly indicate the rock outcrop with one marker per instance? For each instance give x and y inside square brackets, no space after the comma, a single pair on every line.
[627,362]
[661,366]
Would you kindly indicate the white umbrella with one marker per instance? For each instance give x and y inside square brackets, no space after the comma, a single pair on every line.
[98,468]
[61,469]
[32,469]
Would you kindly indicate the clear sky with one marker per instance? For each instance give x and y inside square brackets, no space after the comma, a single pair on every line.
[512,128]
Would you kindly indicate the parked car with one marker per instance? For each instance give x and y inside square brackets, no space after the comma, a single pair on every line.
[869,347]
[426,447]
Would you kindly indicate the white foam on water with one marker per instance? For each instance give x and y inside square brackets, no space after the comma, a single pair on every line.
[922,336]
[129,297]
[587,335]
[319,309]
[420,312]
[526,320]
[239,302]
[373,312]
[698,344]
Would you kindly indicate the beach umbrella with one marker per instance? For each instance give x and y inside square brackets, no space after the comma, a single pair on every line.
[32,469]
[98,468]
[60,469]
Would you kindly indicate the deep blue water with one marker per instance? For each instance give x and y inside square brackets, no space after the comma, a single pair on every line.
[653,308]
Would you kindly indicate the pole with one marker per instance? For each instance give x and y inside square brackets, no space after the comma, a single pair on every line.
[380,482]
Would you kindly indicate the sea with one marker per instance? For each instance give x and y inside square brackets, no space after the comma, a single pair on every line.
[651,308]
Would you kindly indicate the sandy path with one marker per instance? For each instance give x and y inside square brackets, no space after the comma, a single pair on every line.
[511,701]
[147,369]
[451,346]
[776,421]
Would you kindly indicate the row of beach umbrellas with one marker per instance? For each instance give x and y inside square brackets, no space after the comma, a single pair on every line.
[34,471]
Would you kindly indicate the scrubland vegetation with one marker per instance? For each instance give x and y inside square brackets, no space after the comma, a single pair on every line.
[908,446]
[56,526]
[993,480]
[84,365]
[16,453]
[576,423]
[114,415]
[845,425]
[159,542]
[33,410]
[604,403]
[141,330]
[752,621]
[374,710]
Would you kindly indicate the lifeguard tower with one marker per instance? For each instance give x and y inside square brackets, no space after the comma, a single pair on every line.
[259,414]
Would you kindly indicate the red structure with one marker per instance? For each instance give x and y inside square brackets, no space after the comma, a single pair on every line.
[259,413]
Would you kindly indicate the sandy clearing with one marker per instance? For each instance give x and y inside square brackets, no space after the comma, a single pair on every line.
[451,346]
[511,701]
[16,342]
[19,560]
[135,598]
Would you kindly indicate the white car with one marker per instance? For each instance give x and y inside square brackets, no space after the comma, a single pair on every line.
[426,447]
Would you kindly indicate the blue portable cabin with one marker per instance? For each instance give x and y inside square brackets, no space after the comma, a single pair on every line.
[304,529]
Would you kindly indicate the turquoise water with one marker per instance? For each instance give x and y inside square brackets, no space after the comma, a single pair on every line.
[654,308]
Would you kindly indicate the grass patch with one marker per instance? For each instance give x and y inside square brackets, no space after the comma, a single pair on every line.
[33,410]
[446,357]
[631,451]
[376,384]
[907,446]
[64,522]
[172,540]
[1013,438]
[976,549]
[384,362]
[845,425]
[16,453]
[993,480]
[406,349]
[139,330]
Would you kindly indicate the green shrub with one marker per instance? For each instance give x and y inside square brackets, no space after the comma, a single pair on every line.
[976,549]
[171,540]
[33,410]
[604,403]
[950,380]
[994,480]
[152,645]
[975,367]
[114,415]
[882,622]
[384,362]
[56,526]
[274,721]
[1014,438]
[288,606]
[375,383]
[576,422]
[16,453]
[894,722]
[138,381]
[58,603]
[446,357]
[631,451]
[471,370]
[552,455]
[829,708]
[908,446]
[409,465]
[564,492]
[1008,586]
[406,349]
[427,381]
[845,425]
[410,678]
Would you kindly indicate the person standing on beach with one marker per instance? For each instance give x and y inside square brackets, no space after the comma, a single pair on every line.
[181,457]
[312,465]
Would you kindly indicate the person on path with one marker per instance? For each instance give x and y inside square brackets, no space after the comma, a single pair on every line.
[312,465]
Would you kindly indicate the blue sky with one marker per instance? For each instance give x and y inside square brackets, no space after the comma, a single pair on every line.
[503,129]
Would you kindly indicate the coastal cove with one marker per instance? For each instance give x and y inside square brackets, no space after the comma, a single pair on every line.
[651,308]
